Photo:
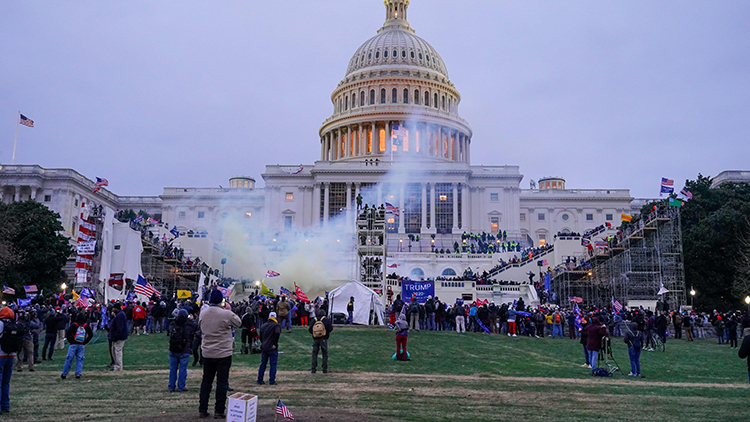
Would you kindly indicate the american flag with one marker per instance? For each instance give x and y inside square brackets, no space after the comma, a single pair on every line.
[270,273]
[687,193]
[616,304]
[9,290]
[153,221]
[101,182]
[284,291]
[143,287]
[26,121]
[390,209]
[575,299]
[283,411]
[300,294]
[30,289]
[667,182]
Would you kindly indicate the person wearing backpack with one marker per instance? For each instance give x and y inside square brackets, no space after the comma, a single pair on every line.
[10,344]
[634,338]
[320,327]
[557,320]
[78,335]
[180,349]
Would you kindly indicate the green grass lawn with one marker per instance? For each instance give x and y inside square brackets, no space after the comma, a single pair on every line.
[451,377]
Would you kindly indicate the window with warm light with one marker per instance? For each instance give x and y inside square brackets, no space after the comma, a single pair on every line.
[494,224]
[443,197]
[289,196]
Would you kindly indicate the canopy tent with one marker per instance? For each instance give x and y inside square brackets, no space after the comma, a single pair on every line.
[365,300]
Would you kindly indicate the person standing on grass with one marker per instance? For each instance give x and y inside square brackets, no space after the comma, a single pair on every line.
[744,352]
[139,319]
[118,333]
[282,311]
[594,342]
[50,337]
[7,318]
[402,333]
[459,311]
[79,334]
[269,348]
[216,324]
[584,341]
[27,345]
[62,324]
[511,321]
[350,311]
[180,349]
[320,327]
[634,339]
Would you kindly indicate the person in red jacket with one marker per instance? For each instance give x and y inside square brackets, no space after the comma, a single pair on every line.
[594,342]
[139,318]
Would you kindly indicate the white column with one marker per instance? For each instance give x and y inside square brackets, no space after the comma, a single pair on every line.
[348,142]
[17,193]
[316,206]
[401,202]
[348,206]
[33,193]
[465,212]
[423,228]
[374,145]
[360,141]
[455,207]
[326,201]
[468,149]
[432,208]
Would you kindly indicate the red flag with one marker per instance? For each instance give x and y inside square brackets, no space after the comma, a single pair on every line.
[300,294]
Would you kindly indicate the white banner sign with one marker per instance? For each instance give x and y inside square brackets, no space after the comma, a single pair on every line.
[86,248]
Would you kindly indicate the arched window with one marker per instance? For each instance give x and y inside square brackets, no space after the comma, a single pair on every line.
[443,102]
[394,96]
[395,54]
[406,96]
[372,96]
[382,96]
[377,54]
[369,57]
[412,54]
[403,53]
[416,96]
[420,56]
[346,102]
[449,271]
[354,100]
[362,98]
[436,101]
[427,99]
[385,54]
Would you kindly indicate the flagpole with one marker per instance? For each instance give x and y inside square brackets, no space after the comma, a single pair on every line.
[15,138]
[276,416]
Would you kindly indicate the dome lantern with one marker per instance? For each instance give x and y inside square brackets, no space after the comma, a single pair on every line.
[395,13]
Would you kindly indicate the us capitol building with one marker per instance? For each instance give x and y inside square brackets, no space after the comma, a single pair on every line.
[395,136]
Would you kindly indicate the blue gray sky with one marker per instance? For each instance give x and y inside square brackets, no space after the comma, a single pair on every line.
[608,94]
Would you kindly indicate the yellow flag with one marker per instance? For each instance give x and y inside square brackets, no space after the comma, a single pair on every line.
[265,291]
[184,294]
[76,296]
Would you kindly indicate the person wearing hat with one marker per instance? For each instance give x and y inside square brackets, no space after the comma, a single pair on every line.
[180,349]
[217,345]
[269,348]
[6,361]
[50,337]
[350,311]
[320,339]
[118,333]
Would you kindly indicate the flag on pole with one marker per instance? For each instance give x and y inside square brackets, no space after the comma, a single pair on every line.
[300,294]
[390,209]
[284,291]
[26,121]
[175,232]
[138,219]
[398,133]
[674,202]
[143,287]
[666,189]
[662,290]
[667,182]
[9,290]
[30,289]
[270,273]
[616,304]
[575,299]
[687,194]
[283,411]
[265,291]
[626,218]
[153,221]
[101,182]
[394,265]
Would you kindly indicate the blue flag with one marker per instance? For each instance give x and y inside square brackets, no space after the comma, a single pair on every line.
[284,291]
[24,302]
[130,297]
[547,286]
[174,232]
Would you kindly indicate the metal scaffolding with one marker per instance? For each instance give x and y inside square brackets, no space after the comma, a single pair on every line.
[371,247]
[635,265]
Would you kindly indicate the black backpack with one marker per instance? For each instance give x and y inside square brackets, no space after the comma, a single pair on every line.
[636,341]
[12,337]
[178,339]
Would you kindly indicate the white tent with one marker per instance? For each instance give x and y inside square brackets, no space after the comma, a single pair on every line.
[365,300]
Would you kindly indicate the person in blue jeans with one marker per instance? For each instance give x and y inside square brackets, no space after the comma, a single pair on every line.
[6,361]
[78,335]
[180,350]
[269,348]
[634,339]
[350,311]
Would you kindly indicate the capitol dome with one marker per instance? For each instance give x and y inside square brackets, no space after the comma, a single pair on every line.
[396,47]
[396,100]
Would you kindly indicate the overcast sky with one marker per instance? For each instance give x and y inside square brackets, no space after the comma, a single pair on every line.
[608,94]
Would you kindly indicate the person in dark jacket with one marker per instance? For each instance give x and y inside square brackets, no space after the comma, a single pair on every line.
[595,333]
[744,352]
[731,328]
[77,346]
[178,359]
[249,332]
[50,337]
[321,342]
[584,340]
[269,348]
[118,333]
[634,339]
[402,333]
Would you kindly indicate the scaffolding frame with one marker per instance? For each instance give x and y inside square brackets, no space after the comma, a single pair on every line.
[371,248]
[634,266]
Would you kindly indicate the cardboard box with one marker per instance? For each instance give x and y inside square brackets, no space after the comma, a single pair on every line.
[242,408]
